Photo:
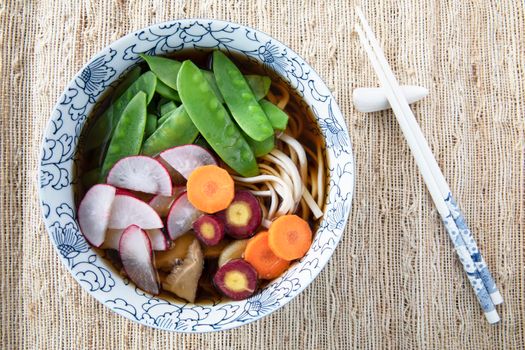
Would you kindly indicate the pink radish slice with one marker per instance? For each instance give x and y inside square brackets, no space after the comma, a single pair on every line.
[137,259]
[156,236]
[140,173]
[127,210]
[181,217]
[184,159]
[94,212]
[176,178]
[158,239]
[162,204]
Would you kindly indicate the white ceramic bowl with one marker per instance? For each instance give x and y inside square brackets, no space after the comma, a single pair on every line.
[57,175]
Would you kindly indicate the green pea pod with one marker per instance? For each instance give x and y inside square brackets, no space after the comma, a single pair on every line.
[278,118]
[161,101]
[213,84]
[167,107]
[128,135]
[164,68]
[151,124]
[240,99]
[126,82]
[90,178]
[261,148]
[167,92]
[178,129]
[213,121]
[170,106]
[104,126]
[259,84]
[163,119]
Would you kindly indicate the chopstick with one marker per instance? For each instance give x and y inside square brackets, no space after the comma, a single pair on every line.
[434,179]
[444,189]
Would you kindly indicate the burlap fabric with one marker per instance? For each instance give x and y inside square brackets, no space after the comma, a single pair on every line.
[394,281]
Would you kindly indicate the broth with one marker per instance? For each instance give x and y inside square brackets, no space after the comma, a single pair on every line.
[296,108]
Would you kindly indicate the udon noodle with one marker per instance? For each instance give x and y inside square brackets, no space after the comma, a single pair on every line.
[292,174]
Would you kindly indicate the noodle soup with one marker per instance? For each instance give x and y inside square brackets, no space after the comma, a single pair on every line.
[189,239]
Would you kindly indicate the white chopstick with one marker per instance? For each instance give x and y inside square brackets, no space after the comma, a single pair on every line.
[403,115]
[442,185]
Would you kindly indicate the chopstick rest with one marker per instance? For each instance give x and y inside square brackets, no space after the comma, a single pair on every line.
[368,99]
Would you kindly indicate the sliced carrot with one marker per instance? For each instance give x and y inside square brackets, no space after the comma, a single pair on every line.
[260,256]
[289,237]
[210,189]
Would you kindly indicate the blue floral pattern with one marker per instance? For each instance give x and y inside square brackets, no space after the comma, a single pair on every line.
[471,245]
[56,175]
[68,240]
[469,267]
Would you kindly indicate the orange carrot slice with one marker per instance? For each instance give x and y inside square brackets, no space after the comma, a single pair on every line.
[210,188]
[289,237]
[260,256]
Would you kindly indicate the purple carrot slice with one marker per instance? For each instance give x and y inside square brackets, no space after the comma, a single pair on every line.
[209,230]
[236,279]
[243,216]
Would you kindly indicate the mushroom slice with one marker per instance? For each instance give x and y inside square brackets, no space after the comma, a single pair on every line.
[166,260]
[184,279]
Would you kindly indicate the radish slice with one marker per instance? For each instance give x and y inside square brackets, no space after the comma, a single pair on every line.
[127,210]
[181,217]
[184,159]
[176,178]
[158,239]
[162,204]
[140,173]
[156,236]
[94,212]
[137,259]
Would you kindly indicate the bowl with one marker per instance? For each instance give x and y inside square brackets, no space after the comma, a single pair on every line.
[57,174]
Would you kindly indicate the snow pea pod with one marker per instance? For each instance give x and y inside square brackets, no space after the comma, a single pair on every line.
[165,112]
[277,117]
[129,132]
[151,124]
[166,92]
[176,130]
[213,121]
[213,84]
[126,82]
[240,99]
[164,68]
[259,84]
[162,119]
[167,107]
[161,101]
[261,148]
[104,126]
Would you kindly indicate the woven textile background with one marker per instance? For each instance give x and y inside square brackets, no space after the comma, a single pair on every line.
[394,281]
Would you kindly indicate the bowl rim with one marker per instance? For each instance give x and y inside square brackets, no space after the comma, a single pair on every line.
[131,38]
